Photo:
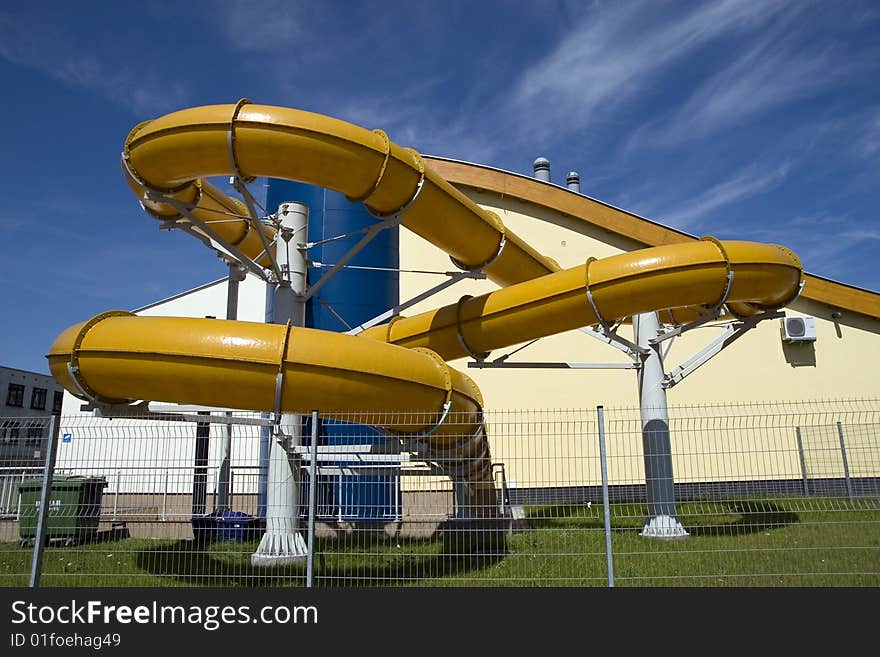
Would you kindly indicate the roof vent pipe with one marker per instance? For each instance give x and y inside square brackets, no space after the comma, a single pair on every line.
[573,181]
[542,169]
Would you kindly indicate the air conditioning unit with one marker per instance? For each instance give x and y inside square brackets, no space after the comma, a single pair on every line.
[799,329]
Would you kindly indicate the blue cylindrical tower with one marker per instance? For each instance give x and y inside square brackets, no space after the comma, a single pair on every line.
[350,298]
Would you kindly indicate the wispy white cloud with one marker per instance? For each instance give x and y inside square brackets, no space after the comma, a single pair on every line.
[409,123]
[35,41]
[862,234]
[262,26]
[819,220]
[868,143]
[749,182]
[771,73]
[615,52]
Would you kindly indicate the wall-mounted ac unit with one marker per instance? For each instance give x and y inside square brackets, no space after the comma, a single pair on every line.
[799,329]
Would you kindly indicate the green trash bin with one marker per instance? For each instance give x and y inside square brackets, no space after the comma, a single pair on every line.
[74,508]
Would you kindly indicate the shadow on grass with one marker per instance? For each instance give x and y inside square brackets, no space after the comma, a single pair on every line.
[369,559]
[752,517]
[564,515]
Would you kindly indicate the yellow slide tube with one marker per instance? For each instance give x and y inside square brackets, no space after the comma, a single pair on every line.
[692,276]
[172,153]
[118,357]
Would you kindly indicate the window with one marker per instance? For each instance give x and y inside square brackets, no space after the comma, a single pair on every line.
[57,401]
[9,431]
[15,396]
[34,435]
[38,399]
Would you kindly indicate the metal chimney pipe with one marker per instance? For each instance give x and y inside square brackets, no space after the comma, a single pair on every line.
[573,181]
[542,169]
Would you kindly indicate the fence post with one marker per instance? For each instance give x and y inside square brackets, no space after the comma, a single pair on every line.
[609,556]
[313,502]
[165,497]
[849,490]
[45,497]
[800,444]
[340,501]
[116,494]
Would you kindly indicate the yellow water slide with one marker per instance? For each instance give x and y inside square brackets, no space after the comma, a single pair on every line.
[118,357]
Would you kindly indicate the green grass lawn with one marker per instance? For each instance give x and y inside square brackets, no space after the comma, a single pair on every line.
[754,543]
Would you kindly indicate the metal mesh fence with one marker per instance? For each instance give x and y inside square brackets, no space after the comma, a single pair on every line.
[773,494]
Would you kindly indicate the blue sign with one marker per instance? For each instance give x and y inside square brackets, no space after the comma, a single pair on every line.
[66,437]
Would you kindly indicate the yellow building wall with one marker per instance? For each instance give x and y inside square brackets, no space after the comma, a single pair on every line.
[715,437]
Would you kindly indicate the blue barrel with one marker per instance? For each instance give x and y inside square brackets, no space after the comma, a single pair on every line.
[350,298]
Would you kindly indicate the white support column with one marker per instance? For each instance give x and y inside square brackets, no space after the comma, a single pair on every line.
[283,544]
[662,521]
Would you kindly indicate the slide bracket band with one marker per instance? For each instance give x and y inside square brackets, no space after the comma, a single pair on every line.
[73,367]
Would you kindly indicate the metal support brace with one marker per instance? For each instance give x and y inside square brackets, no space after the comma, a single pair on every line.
[732,332]
[186,212]
[239,185]
[149,411]
[454,277]
[606,332]
[712,314]
[609,336]
[371,232]
[333,312]
[501,364]
[279,383]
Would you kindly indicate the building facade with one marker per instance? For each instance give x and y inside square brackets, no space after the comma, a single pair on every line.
[29,400]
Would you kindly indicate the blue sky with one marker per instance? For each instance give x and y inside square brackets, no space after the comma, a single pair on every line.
[739,119]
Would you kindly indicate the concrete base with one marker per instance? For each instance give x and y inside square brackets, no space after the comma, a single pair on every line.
[280,549]
[663,527]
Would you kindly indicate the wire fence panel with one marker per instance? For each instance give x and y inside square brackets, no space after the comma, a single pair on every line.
[465,504]
[740,496]
[776,494]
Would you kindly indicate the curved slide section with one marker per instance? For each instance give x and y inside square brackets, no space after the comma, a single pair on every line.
[692,276]
[118,357]
[172,153]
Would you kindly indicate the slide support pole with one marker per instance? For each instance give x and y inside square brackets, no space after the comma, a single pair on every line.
[282,543]
[662,521]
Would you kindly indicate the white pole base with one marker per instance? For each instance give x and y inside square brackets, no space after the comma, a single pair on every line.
[663,527]
[280,548]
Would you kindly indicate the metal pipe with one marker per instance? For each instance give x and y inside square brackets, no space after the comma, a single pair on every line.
[662,520]
[45,497]
[265,431]
[849,490]
[313,505]
[609,555]
[200,471]
[165,497]
[116,493]
[803,460]
[236,276]
[573,181]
